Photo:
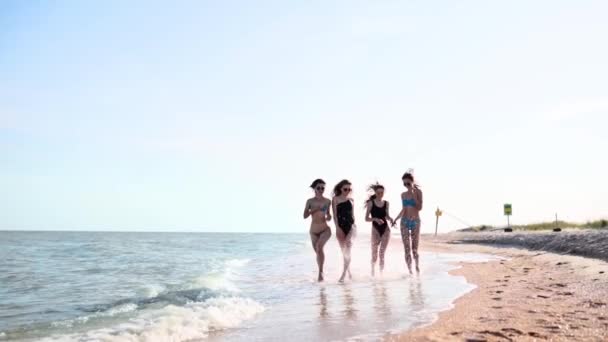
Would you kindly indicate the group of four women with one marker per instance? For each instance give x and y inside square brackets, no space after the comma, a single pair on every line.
[377,213]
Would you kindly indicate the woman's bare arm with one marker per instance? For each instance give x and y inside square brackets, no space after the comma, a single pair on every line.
[368,216]
[402,212]
[307,209]
[418,195]
[334,210]
[388,215]
[328,212]
[352,201]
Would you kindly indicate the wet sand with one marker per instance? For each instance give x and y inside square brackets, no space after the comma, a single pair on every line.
[528,296]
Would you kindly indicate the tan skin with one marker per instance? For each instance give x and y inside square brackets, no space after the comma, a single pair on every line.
[412,213]
[318,209]
[345,241]
[377,240]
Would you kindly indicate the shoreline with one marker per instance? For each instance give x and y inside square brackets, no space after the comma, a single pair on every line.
[528,296]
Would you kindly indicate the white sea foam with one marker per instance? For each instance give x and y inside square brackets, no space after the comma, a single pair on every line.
[119,310]
[215,281]
[177,323]
[151,291]
[237,263]
[220,280]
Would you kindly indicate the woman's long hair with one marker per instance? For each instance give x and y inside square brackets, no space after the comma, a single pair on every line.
[373,188]
[338,187]
[317,182]
[409,174]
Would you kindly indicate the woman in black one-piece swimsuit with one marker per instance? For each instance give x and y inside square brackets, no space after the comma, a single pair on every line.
[377,213]
[342,206]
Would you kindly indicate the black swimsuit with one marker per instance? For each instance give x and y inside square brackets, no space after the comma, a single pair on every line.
[379,213]
[345,216]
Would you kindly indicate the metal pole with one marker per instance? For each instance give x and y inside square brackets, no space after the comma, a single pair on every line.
[508,223]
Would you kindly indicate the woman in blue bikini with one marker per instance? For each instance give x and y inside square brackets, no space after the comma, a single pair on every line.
[410,219]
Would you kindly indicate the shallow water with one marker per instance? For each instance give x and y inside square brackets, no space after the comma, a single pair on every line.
[190,286]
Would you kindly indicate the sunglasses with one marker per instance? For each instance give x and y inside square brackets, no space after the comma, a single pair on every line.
[320,188]
[346,190]
[407,183]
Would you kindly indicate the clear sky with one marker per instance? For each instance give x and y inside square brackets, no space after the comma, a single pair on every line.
[216,116]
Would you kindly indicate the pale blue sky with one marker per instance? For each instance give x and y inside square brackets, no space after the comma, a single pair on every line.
[216,116]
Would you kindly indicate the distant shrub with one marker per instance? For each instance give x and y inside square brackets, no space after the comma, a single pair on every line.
[597,224]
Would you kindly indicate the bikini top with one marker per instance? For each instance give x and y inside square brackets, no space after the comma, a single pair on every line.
[409,202]
[323,208]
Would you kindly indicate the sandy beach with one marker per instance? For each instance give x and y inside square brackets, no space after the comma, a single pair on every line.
[530,295]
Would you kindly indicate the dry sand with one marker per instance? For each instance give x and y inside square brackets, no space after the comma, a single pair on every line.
[529,296]
[582,242]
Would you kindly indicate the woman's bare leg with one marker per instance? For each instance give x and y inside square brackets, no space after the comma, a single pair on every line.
[313,239]
[320,244]
[405,236]
[415,239]
[349,246]
[375,244]
[342,242]
[383,244]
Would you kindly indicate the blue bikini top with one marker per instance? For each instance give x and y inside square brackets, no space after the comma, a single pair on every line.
[409,202]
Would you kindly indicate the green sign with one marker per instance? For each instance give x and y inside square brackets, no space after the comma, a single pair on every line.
[508,209]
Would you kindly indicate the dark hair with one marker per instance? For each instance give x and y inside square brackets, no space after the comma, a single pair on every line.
[408,175]
[317,182]
[374,188]
[338,187]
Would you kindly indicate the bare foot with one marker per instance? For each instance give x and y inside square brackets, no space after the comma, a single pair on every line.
[417,269]
[320,277]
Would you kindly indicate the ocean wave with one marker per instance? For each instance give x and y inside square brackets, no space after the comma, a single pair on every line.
[199,290]
[111,312]
[176,323]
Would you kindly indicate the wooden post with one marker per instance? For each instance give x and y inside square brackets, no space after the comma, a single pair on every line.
[436,225]
[437,214]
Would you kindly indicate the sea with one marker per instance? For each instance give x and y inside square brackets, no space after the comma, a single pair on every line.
[120,286]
